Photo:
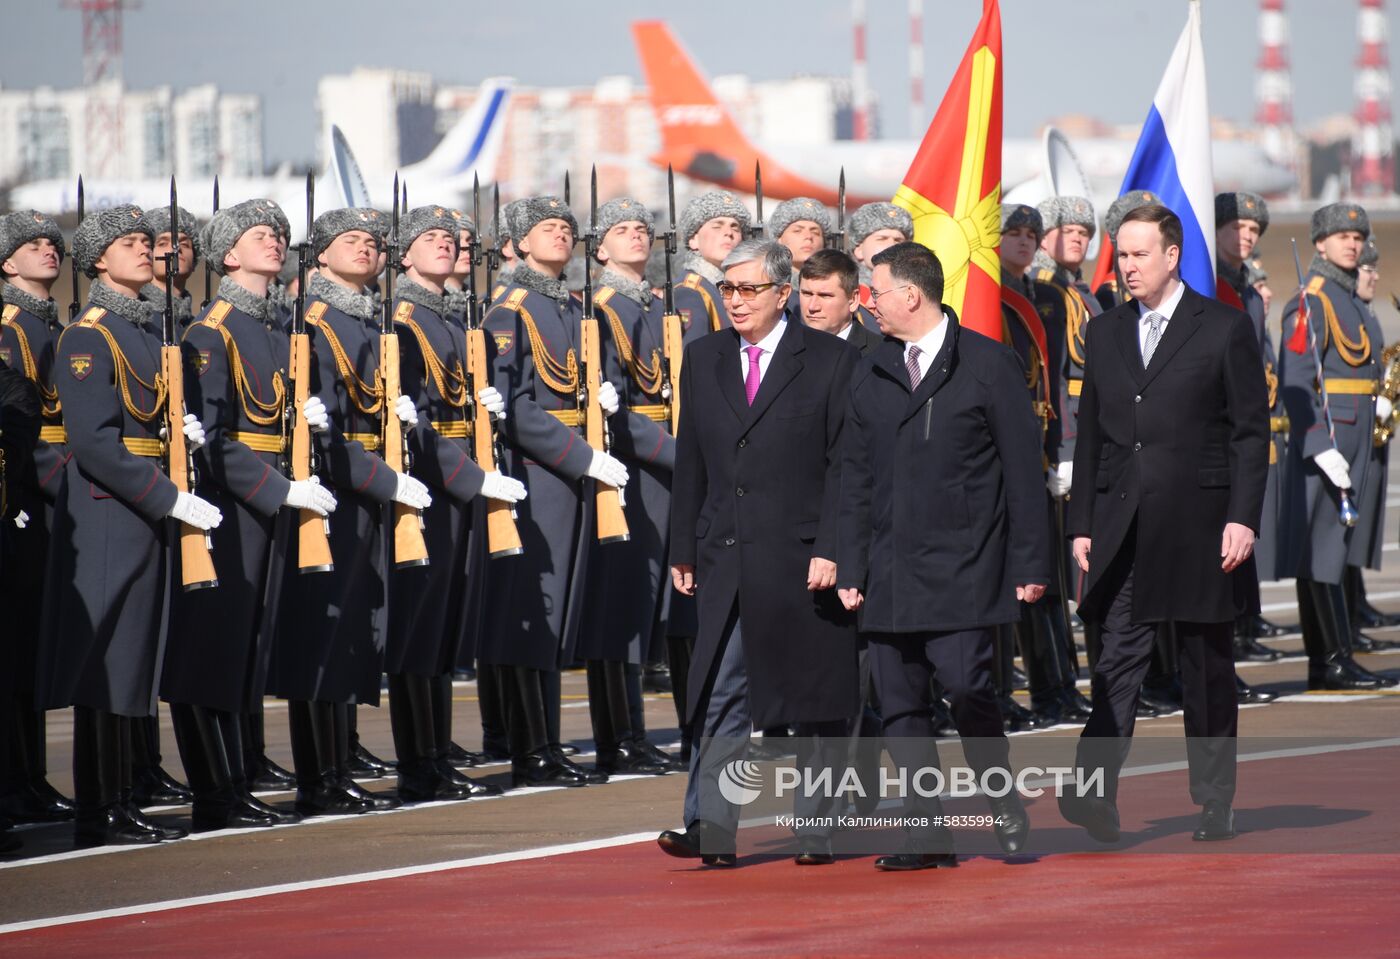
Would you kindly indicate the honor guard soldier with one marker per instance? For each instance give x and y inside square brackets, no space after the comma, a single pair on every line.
[1046,639]
[802,225]
[217,658]
[190,254]
[1108,293]
[505,245]
[875,227]
[31,255]
[534,601]
[711,225]
[629,597]
[425,612]
[1329,377]
[106,596]
[329,654]
[282,298]
[455,289]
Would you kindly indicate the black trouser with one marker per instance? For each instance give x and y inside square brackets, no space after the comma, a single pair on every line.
[1207,664]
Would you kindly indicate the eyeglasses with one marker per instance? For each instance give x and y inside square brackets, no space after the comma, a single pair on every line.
[1368,269]
[876,294]
[747,291]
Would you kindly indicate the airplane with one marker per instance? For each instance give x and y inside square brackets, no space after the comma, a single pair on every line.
[700,138]
[472,146]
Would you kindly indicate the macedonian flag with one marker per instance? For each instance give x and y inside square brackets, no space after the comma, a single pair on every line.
[953,187]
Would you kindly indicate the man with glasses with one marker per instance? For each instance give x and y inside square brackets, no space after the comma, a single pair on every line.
[753,537]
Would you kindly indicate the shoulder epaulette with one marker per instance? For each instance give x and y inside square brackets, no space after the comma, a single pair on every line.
[218,312]
[602,296]
[11,311]
[517,296]
[315,311]
[1045,275]
[403,312]
[93,316]
[497,292]
[692,281]
[1315,284]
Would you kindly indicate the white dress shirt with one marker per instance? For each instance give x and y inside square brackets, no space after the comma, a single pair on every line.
[845,333]
[768,344]
[929,347]
[1165,311]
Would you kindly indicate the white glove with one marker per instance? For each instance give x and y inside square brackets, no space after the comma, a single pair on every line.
[1060,479]
[310,494]
[502,487]
[1383,409]
[607,398]
[412,493]
[607,469]
[21,519]
[406,411]
[1334,465]
[193,511]
[314,412]
[194,432]
[494,402]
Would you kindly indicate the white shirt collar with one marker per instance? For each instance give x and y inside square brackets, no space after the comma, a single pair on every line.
[769,344]
[1168,306]
[932,341]
[846,333]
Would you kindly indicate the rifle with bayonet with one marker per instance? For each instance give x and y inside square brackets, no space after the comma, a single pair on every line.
[410,549]
[196,561]
[672,325]
[77,303]
[837,240]
[313,530]
[757,229]
[612,522]
[502,536]
[208,281]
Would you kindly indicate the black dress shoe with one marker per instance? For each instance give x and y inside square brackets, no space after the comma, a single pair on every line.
[813,851]
[458,756]
[546,768]
[1098,816]
[942,720]
[658,755]
[153,786]
[377,801]
[267,776]
[1166,699]
[112,826]
[657,680]
[566,749]
[471,788]
[29,805]
[911,861]
[328,798]
[1147,711]
[1249,696]
[162,833]
[1011,823]
[765,751]
[1250,650]
[628,759]
[1362,643]
[278,816]
[1016,717]
[1217,822]
[701,840]
[208,817]
[1077,707]
[364,764]
[1343,672]
[591,776]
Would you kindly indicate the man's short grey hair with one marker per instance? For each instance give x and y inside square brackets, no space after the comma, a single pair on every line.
[777,259]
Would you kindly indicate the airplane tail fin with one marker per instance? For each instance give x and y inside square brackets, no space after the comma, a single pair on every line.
[474,142]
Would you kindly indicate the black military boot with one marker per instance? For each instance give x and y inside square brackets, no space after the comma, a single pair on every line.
[101,819]
[1330,662]
[209,765]
[421,770]
[260,772]
[319,792]
[1015,717]
[231,728]
[1044,665]
[151,785]
[361,764]
[135,817]
[1354,585]
[612,728]
[447,750]
[491,694]
[31,799]
[343,717]
[534,762]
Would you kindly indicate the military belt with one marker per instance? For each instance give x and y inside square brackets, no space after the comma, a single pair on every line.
[144,446]
[1279,424]
[53,434]
[452,429]
[567,417]
[657,412]
[1075,387]
[370,441]
[1345,387]
[262,442]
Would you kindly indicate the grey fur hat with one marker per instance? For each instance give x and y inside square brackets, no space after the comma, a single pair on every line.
[1230,207]
[159,219]
[229,224]
[1337,217]
[101,229]
[284,225]
[622,210]
[535,210]
[706,207]
[1124,205]
[26,226]
[1016,215]
[1058,211]
[1370,255]
[464,222]
[1254,271]
[874,217]
[334,223]
[424,218]
[788,212]
[505,227]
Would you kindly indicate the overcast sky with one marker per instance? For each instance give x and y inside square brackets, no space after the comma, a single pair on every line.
[1098,57]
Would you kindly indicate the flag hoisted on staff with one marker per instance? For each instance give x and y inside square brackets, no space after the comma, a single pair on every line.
[953,187]
[1172,158]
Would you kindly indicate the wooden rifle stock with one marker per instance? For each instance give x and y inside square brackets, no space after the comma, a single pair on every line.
[313,530]
[672,347]
[410,549]
[502,537]
[612,522]
[196,563]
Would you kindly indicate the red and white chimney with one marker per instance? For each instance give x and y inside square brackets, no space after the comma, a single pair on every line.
[860,76]
[1372,148]
[917,119]
[1273,86]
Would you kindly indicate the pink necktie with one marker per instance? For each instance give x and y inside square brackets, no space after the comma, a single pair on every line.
[751,380]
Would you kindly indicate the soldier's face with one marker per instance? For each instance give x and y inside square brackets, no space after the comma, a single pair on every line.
[162,249]
[1266,294]
[36,260]
[1066,245]
[875,242]
[1144,260]
[754,319]
[1342,249]
[716,238]
[803,238]
[127,262]
[826,306]
[1235,241]
[259,251]
[1017,249]
[433,254]
[353,256]
[1367,279]
[628,243]
[549,243]
[463,266]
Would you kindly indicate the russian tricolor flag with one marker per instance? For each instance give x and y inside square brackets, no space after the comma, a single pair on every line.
[1172,158]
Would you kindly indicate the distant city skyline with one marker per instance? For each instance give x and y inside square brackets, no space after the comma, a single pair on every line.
[1094,58]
